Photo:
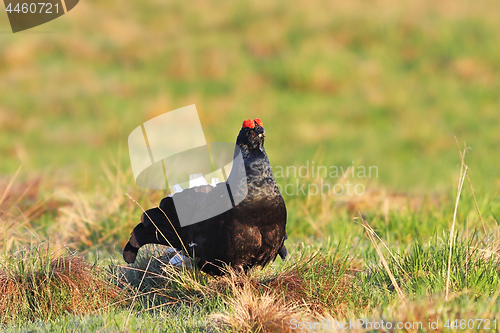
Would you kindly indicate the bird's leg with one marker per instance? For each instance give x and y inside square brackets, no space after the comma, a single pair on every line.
[283,253]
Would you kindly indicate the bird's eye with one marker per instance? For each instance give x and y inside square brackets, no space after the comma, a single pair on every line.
[260,135]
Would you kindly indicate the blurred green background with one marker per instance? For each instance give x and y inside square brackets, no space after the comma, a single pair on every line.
[381,83]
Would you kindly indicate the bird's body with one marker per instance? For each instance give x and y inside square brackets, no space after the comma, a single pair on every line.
[250,233]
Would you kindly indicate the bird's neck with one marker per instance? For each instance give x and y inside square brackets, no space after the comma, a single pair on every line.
[257,166]
[254,174]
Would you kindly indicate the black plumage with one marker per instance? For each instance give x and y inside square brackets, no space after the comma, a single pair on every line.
[251,233]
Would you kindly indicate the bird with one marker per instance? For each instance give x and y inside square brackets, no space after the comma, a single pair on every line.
[250,232]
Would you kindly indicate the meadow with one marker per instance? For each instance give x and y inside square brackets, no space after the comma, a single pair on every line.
[408,91]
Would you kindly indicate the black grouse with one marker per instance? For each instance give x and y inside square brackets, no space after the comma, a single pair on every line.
[250,233]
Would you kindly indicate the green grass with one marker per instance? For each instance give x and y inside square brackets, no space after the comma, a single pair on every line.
[337,84]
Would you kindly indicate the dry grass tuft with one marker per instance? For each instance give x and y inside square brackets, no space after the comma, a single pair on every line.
[253,310]
[33,285]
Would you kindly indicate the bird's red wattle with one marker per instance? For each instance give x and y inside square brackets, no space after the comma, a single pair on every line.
[259,122]
[249,123]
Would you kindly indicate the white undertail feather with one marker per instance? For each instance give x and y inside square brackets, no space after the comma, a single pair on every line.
[196,179]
